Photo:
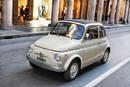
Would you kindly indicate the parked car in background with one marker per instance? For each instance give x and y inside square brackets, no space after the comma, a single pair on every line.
[70,46]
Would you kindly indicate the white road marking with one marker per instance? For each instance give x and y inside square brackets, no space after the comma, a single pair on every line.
[108,73]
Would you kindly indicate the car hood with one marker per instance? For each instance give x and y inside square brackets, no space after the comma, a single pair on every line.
[57,43]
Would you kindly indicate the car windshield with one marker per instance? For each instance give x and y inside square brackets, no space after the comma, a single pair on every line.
[69,30]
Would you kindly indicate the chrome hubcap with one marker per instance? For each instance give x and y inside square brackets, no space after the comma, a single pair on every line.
[106,56]
[74,70]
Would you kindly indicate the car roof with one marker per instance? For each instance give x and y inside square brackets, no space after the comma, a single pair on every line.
[82,21]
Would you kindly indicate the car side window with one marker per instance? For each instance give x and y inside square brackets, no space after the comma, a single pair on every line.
[102,31]
[92,32]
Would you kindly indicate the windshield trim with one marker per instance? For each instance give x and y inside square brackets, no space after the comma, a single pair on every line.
[74,31]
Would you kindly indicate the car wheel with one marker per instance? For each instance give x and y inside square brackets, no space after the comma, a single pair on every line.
[105,57]
[72,71]
[33,65]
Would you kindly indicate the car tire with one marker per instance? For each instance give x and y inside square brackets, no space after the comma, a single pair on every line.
[33,65]
[72,71]
[105,57]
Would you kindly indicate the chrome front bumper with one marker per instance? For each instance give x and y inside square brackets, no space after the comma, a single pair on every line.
[42,65]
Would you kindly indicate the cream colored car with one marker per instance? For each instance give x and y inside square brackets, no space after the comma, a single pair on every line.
[70,46]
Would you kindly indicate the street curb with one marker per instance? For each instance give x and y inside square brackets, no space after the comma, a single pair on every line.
[116,26]
[22,35]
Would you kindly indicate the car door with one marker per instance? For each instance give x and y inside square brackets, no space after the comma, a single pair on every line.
[90,43]
[102,40]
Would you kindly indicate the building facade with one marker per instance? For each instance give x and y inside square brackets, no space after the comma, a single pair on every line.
[105,11]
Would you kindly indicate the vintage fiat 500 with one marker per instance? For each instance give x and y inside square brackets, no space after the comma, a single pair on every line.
[70,46]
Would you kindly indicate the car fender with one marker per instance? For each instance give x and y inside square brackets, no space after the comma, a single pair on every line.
[108,46]
[71,59]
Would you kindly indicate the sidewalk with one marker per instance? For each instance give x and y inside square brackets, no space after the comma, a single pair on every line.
[23,31]
[110,26]
[27,30]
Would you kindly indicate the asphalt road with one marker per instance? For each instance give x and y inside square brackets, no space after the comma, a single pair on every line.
[15,70]
[120,78]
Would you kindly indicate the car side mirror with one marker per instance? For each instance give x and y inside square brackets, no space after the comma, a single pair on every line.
[86,36]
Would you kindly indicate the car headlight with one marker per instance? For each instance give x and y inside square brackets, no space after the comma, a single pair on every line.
[30,50]
[57,57]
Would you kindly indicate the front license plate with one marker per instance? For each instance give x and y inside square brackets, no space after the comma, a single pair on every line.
[41,59]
